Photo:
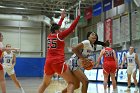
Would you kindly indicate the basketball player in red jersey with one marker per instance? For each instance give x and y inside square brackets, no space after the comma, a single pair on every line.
[110,64]
[2,80]
[55,56]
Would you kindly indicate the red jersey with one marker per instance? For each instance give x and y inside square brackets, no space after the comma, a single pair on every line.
[1,46]
[109,54]
[0,53]
[55,47]
[1,68]
[55,44]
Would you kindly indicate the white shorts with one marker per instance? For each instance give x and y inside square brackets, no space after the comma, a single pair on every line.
[73,63]
[8,70]
[131,69]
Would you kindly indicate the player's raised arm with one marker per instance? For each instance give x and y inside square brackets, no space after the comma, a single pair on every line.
[66,32]
[63,15]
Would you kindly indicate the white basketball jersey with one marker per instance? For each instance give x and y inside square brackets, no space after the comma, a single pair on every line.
[1,45]
[131,59]
[7,58]
[87,49]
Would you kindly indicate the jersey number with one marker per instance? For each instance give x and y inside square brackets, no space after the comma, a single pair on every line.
[8,60]
[52,43]
[108,53]
[130,60]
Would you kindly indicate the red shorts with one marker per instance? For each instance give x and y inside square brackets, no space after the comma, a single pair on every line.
[109,67]
[1,68]
[50,68]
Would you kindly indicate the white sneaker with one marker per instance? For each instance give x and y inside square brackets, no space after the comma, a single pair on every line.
[127,90]
[105,91]
[58,92]
[115,91]
[22,90]
[136,88]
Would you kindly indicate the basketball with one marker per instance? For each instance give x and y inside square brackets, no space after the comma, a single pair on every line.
[88,65]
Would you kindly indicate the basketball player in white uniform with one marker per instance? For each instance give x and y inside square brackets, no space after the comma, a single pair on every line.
[83,51]
[87,52]
[9,61]
[132,61]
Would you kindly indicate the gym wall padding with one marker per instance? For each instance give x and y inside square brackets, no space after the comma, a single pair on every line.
[29,67]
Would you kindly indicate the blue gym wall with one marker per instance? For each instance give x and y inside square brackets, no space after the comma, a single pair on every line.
[29,67]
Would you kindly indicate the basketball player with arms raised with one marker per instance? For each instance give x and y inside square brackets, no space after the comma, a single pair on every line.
[55,59]
[110,65]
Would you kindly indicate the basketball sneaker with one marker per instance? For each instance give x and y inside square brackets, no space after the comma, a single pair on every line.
[58,92]
[127,90]
[136,88]
[115,90]
[22,90]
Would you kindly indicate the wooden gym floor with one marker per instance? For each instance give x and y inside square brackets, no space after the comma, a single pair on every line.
[30,85]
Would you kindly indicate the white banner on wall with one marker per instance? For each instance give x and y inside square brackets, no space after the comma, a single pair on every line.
[135,26]
[116,31]
[100,32]
[122,76]
[91,74]
[125,34]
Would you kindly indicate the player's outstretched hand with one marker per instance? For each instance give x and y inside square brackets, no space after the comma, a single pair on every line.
[17,48]
[79,12]
[63,14]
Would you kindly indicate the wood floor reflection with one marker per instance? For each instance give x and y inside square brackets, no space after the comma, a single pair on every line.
[31,84]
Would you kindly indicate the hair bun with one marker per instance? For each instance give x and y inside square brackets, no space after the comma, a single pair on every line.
[54,27]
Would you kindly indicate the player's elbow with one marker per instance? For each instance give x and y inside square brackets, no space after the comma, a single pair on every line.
[74,49]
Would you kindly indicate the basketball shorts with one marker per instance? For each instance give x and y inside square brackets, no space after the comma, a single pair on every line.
[109,68]
[131,69]
[9,70]
[73,63]
[1,68]
[51,68]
